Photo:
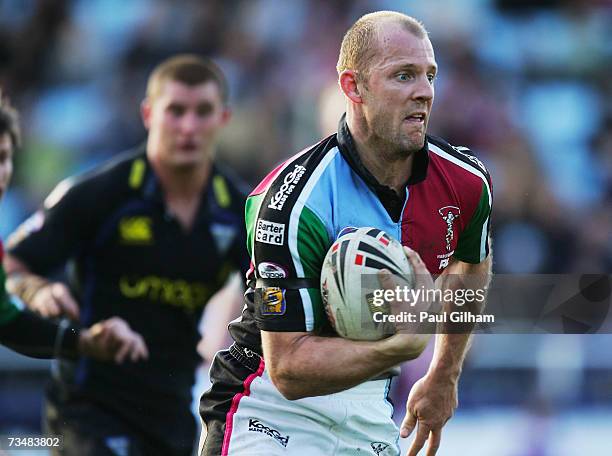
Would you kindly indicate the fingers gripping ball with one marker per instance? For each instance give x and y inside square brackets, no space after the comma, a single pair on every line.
[350,286]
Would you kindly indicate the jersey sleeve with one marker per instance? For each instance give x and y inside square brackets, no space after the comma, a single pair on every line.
[51,235]
[285,248]
[473,244]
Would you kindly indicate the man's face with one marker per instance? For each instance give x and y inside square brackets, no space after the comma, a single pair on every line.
[183,123]
[6,162]
[398,92]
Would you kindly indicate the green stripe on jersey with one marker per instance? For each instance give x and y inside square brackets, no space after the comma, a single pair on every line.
[312,244]
[469,248]
[251,210]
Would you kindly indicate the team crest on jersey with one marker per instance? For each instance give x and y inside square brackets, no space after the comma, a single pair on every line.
[273,301]
[449,215]
[136,230]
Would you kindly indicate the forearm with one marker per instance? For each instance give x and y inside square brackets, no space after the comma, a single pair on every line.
[316,366]
[32,335]
[20,281]
[453,339]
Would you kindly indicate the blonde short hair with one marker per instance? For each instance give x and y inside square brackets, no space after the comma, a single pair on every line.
[361,40]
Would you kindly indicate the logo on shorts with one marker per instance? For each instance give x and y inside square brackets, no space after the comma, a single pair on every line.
[379,447]
[257,426]
[289,182]
[273,301]
[270,232]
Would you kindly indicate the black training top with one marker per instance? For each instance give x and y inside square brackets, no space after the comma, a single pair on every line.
[129,257]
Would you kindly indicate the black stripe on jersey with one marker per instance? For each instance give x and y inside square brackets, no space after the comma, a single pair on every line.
[364,247]
[282,195]
[461,153]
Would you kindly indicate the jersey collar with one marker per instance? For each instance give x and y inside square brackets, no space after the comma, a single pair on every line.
[349,152]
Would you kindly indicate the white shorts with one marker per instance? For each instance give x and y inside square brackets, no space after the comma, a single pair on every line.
[352,422]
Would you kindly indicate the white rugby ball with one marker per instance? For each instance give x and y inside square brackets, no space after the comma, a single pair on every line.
[349,281]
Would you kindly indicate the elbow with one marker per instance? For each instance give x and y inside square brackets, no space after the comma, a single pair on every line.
[418,346]
[286,384]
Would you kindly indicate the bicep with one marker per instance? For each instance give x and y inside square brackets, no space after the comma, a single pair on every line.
[287,296]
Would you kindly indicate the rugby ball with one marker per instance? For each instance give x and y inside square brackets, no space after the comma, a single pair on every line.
[349,281]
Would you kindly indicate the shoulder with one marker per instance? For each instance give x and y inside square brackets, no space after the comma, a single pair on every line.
[116,176]
[229,189]
[290,184]
[277,210]
[459,158]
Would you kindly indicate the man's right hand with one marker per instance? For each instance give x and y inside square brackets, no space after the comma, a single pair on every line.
[54,300]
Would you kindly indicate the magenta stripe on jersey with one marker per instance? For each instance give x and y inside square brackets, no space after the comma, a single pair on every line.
[229,420]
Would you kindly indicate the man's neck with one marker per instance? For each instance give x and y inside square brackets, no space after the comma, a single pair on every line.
[388,168]
[181,183]
[182,190]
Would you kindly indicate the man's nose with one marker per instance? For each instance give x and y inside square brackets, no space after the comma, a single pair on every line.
[423,89]
[189,122]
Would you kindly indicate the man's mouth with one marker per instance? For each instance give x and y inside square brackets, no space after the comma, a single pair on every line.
[416,117]
[188,146]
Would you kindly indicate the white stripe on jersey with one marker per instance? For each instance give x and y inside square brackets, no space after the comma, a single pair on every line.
[294,219]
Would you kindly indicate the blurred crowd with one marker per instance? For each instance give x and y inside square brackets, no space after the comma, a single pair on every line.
[525,84]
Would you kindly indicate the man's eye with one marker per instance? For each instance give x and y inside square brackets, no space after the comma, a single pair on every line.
[204,110]
[403,77]
[431,77]
[176,111]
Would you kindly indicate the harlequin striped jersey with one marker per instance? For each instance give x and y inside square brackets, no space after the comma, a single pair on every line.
[294,215]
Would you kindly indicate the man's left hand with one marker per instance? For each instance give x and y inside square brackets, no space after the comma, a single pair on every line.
[430,405]
[113,340]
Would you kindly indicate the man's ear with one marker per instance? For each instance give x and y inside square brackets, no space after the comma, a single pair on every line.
[145,112]
[227,115]
[348,84]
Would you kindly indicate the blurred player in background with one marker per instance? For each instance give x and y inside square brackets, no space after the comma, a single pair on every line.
[32,335]
[150,237]
[284,387]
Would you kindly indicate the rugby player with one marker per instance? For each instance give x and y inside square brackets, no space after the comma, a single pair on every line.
[284,386]
[151,236]
[32,335]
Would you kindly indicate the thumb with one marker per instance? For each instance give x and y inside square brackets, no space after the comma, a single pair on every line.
[408,424]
